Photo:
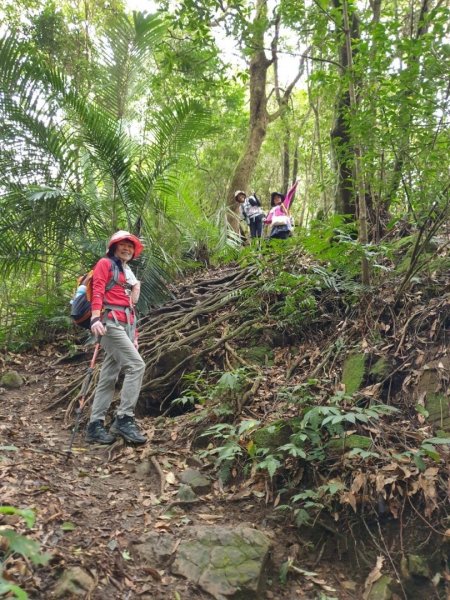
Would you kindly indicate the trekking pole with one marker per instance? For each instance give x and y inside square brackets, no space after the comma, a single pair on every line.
[83,394]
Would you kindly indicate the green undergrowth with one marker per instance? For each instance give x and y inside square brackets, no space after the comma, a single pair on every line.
[307,440]
[310,452]
[30,315]
[294,273]
[15,544]
[292,285]
[325,444]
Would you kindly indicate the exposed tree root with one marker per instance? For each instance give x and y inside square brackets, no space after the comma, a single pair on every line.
[186,327]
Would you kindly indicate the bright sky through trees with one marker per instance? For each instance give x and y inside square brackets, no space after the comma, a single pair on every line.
[288,64]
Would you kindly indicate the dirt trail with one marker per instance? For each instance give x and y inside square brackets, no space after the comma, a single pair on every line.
[92,508]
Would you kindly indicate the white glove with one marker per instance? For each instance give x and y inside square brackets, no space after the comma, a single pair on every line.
[97,327]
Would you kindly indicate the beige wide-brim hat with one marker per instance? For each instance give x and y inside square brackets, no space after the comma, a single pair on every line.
[238,193]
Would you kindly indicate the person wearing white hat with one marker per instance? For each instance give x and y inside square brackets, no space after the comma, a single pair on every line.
[113,321]
[251,212]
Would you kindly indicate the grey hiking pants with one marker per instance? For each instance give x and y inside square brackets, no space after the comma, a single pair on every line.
[120,354]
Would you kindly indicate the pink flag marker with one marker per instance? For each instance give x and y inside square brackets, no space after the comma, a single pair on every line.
[290,195]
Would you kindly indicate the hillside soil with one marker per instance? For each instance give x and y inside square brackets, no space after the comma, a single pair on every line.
[94,506]
[365,375]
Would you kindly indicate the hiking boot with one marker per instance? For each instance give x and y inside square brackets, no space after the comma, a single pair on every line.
[126,427]
[97,434]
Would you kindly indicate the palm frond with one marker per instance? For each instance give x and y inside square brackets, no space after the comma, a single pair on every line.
[125,50]
[78,173]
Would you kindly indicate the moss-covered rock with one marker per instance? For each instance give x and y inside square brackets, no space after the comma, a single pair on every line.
[75,582]
[353,372]
[227,562]
[196,481]
[350,442]
[431,386]
[186,493]
[259,355]
[380,369]
[438,407]
[274,435]
[11,380]
[155,547]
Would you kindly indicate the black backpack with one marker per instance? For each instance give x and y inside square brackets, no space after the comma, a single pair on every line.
[254,200]
[81,309]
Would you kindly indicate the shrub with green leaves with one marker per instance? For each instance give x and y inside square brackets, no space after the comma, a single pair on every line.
[335,241]
[19,544]
[224,392]
[233,446]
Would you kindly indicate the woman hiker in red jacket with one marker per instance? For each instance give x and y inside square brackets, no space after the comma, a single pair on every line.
[113,321]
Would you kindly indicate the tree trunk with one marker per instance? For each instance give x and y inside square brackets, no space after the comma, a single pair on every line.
[317,137]
[259,64]
[295,163]
[340,135]
[359,175]
[259,117]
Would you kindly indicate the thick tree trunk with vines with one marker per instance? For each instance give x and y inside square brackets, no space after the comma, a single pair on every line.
[357,148]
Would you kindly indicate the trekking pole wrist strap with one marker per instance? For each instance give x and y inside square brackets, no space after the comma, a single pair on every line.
[95,320]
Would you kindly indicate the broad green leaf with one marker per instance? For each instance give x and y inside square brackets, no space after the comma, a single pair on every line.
[229,381]
[247,425]
[420,464]
[422,410]
[431,452]
[18,592]
[26,513]
[284,570]
[25,546]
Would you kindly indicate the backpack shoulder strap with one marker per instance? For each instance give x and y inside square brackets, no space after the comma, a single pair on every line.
[115,276]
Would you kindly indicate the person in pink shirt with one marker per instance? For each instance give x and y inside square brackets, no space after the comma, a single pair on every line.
[113,321]
[278,218]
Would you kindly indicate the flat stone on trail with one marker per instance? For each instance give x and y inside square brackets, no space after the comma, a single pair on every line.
[143,469]
[75,581]
[186,493]
[227,562]
[11,380]
[196,480]
[157,548]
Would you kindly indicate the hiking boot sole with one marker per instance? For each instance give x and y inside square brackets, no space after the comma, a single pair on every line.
[101,443]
